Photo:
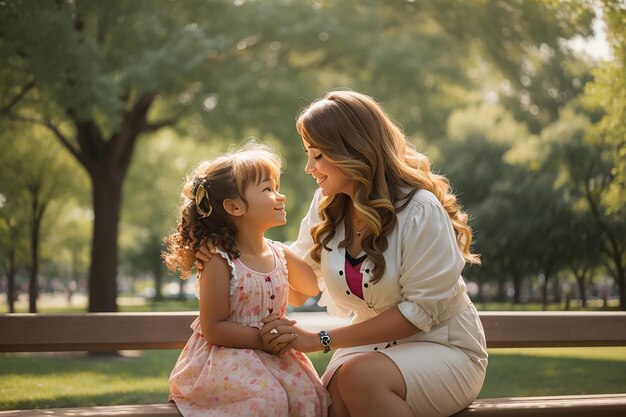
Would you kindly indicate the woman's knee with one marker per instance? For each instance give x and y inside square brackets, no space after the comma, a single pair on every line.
[369,374]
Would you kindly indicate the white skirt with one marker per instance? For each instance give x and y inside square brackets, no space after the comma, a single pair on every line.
[441,379]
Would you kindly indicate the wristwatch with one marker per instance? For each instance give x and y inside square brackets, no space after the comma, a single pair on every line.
[325,340]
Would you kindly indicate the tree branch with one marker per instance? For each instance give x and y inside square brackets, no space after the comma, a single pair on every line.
[133,123]
[151,127]
[18,97]
[55,130]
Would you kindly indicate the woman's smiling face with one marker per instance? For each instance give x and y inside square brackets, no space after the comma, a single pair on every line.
[330,178]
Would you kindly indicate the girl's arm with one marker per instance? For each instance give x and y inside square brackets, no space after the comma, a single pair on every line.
[302,280]
[215,307]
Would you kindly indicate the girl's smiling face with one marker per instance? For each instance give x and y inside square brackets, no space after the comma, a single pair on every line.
[330,178]
[266,205]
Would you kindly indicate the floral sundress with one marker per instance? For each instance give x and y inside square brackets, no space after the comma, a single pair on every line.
[212,381]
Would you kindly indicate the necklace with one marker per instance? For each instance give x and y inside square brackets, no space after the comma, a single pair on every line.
[358,231]
[351,215]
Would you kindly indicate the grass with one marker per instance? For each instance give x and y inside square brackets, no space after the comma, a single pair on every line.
[30,381]
[65,380]
[42,381]
[555,371]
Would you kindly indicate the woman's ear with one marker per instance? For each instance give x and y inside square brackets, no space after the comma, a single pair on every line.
[234,207]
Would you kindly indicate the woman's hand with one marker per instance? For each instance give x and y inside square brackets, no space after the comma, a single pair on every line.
[280,334]
[204,254]
[277,333]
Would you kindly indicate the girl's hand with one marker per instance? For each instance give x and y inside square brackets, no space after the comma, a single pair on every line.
[204,254]
[276,333]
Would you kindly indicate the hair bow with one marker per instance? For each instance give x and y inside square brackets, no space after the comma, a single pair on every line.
[201,193]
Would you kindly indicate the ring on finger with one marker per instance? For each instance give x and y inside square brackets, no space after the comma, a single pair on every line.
[274,331]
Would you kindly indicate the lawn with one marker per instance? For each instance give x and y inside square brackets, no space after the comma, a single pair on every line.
[65,380]
[77,379]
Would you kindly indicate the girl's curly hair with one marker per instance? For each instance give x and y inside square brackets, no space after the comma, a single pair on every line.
[355,134]
[202,216]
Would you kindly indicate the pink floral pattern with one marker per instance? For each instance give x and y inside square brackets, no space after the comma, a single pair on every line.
[213,381]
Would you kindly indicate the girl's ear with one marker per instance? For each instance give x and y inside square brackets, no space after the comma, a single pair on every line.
[234,207]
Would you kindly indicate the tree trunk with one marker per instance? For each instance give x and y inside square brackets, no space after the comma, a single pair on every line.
[582,289]
[621,285]
[557,289]
[33,288]
[107,199]
[181,289]
[544,295]
[517,288]
[581,275]
[158,281]
[480,295]
[11,272]
[619,275]
[107,161]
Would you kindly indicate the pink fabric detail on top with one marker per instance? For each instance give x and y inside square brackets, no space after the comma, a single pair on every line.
[354,278]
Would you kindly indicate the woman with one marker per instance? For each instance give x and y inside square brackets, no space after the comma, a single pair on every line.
[387,241]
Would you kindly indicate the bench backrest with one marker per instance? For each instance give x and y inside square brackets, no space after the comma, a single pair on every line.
[140,331]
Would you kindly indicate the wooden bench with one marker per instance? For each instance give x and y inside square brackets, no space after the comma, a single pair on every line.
[141,331]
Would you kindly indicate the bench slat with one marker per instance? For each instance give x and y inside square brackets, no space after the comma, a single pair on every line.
[554,329]
[143,410]
[94,331]
[566,405]
[139,331]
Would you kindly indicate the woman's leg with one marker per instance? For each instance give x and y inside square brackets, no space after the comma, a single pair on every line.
[368,385]
[338,406]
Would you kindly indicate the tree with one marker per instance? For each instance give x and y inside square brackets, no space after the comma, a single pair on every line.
[151,199]
[38,175]
[13,245]
[96,91]
[585,254]
[230,68]
[605,192]
[489,187]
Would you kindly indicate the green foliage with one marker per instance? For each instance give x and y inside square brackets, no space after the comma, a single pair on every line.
[216,71]
[37,179]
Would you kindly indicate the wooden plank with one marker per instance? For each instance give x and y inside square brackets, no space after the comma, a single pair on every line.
[566,405]
[554,329]
[143,410]
[94,331]
[139,331]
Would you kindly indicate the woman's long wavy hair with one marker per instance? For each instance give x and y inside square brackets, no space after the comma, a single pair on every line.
[354,133]
[226,177]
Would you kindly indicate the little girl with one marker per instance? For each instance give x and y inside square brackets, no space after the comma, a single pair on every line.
[223,370]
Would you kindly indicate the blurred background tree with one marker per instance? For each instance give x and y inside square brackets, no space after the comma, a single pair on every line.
[481,86]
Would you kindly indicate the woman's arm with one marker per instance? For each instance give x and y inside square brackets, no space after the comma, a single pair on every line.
[215,307]
[387,326]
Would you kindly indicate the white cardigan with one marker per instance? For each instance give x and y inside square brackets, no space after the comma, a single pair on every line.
[422,275]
